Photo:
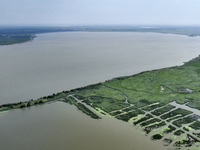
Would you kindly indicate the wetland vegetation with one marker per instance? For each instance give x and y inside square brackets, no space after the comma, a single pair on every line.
[142,99]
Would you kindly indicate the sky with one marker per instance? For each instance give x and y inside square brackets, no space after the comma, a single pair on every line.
[99,12]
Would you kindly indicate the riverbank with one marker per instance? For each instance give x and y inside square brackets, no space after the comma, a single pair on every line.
[15,39]
[122,86]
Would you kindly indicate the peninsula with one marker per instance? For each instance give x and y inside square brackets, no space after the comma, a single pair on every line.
[151,100]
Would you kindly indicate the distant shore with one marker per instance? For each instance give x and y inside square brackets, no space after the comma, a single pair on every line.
[14,35]
[16,39]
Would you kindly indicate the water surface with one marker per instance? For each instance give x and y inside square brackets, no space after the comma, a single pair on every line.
[55,62]
[59,126]
[61,61]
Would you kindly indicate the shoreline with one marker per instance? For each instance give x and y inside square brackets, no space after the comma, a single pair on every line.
[23,42]
[57,97]
[32,36]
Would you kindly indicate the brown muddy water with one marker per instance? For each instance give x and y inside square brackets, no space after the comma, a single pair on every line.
[59,126]
[61,61]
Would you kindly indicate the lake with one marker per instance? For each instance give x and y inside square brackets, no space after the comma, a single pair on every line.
[55,62]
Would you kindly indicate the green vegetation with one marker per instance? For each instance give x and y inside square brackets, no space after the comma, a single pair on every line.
[187,141]
[151,121]
[13,35]
[175,114]
[178,132]
[13,39]
[22,104]
[148,116]
[101,91]
[105,104]
[163,110]
[169,129]
[195,125]
[129,115]
[115,113]
[157,125]
[87,111]
[186,128]
[144,89]
[197,134]
[32,102]
[153,106]
[156,137]
[166,130]
[185,120]
[70,100]
[129,108]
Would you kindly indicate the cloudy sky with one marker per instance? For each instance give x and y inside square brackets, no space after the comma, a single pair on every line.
[100,12]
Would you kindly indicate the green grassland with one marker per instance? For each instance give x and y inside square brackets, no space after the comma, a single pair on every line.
[144,89]
[101,91]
